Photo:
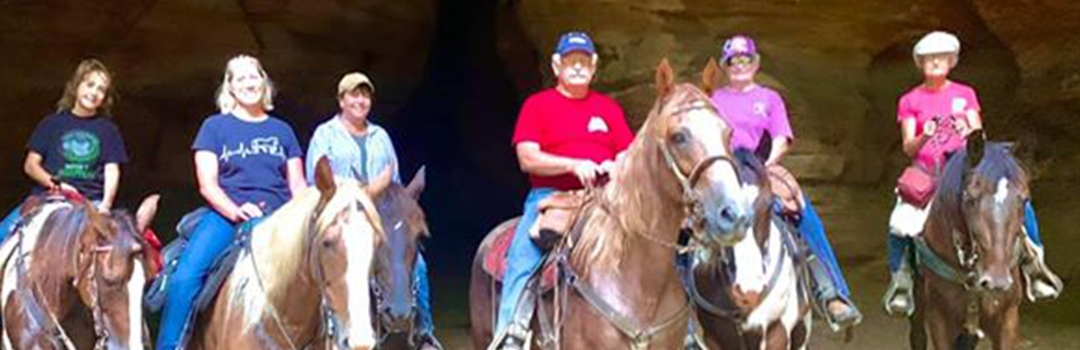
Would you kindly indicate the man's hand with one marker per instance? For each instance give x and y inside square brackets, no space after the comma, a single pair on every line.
[587,171]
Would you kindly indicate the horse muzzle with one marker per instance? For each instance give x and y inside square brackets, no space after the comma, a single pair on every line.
[996,283]
[728,223]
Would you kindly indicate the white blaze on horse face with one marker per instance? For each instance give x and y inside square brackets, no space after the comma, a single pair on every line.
[1002,192]
[707,129]
[749,265]
[359,238]
[135,296]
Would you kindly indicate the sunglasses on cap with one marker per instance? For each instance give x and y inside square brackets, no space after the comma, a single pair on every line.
[740,60]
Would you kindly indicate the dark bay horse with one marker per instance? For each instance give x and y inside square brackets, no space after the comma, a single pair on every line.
[750,296]
[626,291]
[302,282]
[73,277]
[969,252]
[395,297]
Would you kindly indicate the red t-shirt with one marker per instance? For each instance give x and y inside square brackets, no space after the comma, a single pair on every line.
[589,128]
[951,102]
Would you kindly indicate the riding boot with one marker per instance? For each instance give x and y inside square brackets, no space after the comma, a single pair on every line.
[839,312]
[899,300]
[1041,282]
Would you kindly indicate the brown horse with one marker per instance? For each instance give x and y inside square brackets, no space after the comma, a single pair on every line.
[624,290]
[969,252]
[395,259]
[751,296]
[302,280]
[73,277]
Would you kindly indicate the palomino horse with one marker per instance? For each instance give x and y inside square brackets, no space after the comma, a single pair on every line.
[750,296]
[395,298]
[622,289]
[302,280]
[969,252]
[73,277]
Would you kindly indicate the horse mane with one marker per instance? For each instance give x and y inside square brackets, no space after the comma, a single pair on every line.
[58,249]
[997,163]
[631,194]
[280,243]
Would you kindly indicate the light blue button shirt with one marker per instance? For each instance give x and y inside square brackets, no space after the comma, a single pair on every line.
[333,140]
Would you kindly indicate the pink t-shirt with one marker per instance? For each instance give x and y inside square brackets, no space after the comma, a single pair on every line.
[589,128]
[945,105]
[752,113]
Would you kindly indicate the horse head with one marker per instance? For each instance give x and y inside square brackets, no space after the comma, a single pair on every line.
[405,224]
[346,229]
[111,269]
[694,141]
[995,190]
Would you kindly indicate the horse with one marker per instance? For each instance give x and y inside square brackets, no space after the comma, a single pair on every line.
[751,296]
[68,270]
[970,250]
[621,287]
[395,259]
[302,279]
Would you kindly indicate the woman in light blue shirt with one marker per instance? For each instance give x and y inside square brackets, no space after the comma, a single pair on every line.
[356,147]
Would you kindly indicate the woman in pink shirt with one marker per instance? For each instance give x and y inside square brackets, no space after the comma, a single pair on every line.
[755,113]
[935,120]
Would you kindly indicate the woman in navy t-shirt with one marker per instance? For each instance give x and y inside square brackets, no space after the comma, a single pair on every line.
[78,149]
[247,164]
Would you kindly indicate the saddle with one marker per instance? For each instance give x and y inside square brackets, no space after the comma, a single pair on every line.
[495,262]
[155,296]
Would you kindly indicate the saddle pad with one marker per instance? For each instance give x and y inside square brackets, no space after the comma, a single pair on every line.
[495,261]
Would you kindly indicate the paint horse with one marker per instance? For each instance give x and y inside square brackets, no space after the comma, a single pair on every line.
[752,295]
[73,277]
[970,251]
[302,279]
[620,287]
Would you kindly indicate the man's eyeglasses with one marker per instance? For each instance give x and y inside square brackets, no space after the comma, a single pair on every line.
[740,60]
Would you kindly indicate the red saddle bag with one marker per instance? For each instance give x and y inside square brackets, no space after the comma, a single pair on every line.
[916,185]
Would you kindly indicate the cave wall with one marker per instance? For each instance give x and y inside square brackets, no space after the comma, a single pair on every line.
[168,57]
[840,64]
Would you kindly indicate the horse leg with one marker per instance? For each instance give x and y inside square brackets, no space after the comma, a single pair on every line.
[483,301]
[1004,332]
[917,321]
[776,337]
[942,328]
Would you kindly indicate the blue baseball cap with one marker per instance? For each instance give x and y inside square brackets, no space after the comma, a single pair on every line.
[575,41]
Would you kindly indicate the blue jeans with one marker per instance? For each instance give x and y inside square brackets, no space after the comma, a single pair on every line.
[898,245]
[813,232]
[423,294]
[522,259]
[210,238]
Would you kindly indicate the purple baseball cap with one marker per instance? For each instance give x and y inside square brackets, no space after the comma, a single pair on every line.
[575,41]
[739,45]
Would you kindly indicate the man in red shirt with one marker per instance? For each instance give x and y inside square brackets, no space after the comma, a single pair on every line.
[566,137]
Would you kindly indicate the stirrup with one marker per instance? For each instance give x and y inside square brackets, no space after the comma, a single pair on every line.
[1040,282]
[513,338]
[851,318]
[899,299]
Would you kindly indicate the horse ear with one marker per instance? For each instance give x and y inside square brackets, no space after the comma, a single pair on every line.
[665,78]
[764,147]
[976,143]
[710,76]
[146,212]
[324,177]
[416,186]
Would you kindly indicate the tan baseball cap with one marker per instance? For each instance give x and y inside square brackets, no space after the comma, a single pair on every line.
[353,80]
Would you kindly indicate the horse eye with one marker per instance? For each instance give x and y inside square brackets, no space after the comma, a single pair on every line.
[680,138]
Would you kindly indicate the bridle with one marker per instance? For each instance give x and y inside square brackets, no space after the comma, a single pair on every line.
[40,315]
[691,201]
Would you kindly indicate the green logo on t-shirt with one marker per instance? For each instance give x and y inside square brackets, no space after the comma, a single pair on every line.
[81,150]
